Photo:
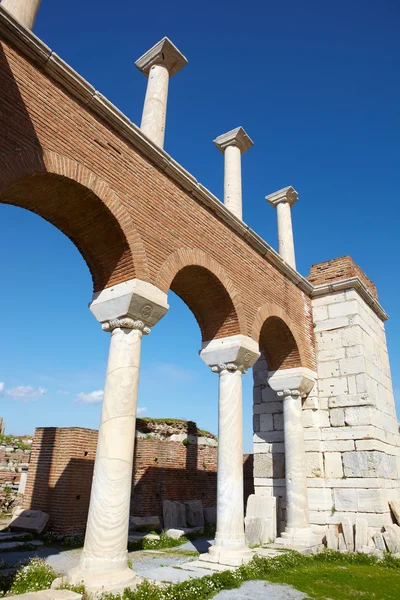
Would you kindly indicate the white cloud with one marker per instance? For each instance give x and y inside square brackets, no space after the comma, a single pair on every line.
[1,387]
[26,393]
[142,410]
[91,398]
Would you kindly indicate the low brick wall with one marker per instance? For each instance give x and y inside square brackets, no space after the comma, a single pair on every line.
[61,469]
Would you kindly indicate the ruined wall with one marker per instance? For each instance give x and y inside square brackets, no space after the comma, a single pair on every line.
[61,469]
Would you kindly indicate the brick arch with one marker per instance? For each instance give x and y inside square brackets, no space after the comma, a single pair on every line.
[206,289]
[80,204]
[278,338]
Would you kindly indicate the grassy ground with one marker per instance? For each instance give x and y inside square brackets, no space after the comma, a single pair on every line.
[339,582]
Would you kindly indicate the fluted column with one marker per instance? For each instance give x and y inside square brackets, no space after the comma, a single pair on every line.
[283,200]
[132,308]
[293,385]
[158,64]
[24,11]
[230,358]
[233,144]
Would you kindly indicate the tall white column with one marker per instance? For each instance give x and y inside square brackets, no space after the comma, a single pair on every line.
[233,144]
[158,64]
[132,308]
[24,11]
[230,358]
[283,200]
[293,385]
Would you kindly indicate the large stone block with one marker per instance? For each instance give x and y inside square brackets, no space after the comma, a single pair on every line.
[314,464]
[261,519]
[348,533]
[144,523]
[345,500]
[266,422]
[359,415]
[33,521]
[369,464]
[392,538]
[346,400]
[194,513]
[337,417]
[174,514]
[210,516]
[371,501]
[269,465]
[395,508]
[333,464]
[361,534]
[333,386]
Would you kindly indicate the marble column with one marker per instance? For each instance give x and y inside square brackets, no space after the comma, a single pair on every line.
[128,311]
[283,200]
[158,64]
[293,385]
[230,358]
[24,11]
[233,144]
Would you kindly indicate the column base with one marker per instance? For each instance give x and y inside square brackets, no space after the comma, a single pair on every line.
[96,582]
[298,537]
[231,557]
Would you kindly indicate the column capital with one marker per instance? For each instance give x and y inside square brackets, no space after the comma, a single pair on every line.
[234,353]
[133,304]
[236,137]
[287,194]
[292,382]
[165,54]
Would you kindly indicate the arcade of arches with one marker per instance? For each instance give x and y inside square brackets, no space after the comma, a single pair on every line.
[145,226]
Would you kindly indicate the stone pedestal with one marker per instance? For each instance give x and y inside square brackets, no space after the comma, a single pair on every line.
[283,200]
[24,11]
[230,358]
[158,64]
[293,385]
[131,309]
[233,144]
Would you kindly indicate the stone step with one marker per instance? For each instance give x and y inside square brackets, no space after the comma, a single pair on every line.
[48,595]
[137,536]
[13,535]
[202,564]
[4,546]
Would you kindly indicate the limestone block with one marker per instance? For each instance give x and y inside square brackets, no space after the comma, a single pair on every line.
[392,538]
[175,534]
[348,534]
[270,396]
[333,464]
[33,521]
[261,506]
[328,340]
[320,499]
[210,516]
[361,534]
[369,464]
[328,369]
[330,354]
[343,309]
[194,513]
[361,383]
[333,386]
[320,313]
[256,423]
[266,422]
[379,542]
[314,464]
[358,415]
[352,366]
[312,402]
[351,336]
[144,523]
[337,445]
[257,394]
[345,500]
[395,508]
[174,514]
[331,540]
[371,500]
[351,400]
[269,465]
[278,421]
[336,417]
[342,544]
[330,324]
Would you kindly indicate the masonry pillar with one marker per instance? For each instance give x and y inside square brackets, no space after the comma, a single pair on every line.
[230,357]
[283,200]
[158,64]
[128,311]
[293,385]
[233,144]
[24,11]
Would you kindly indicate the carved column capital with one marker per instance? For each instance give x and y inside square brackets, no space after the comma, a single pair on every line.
[125,323]
[235,353]
[291,393]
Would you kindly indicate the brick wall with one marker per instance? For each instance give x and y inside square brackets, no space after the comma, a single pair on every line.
[338,269]
[61,468]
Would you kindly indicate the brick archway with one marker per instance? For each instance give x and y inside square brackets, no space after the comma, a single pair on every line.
[206,289]
[278,338]
[80,204]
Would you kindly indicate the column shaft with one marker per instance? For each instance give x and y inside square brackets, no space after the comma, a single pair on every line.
[24,11]
[233,180]
[285,233]
[295,459]
[230,526]
[155,105]
[104,558]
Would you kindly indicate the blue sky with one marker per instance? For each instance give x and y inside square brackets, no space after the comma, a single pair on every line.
[316,87]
